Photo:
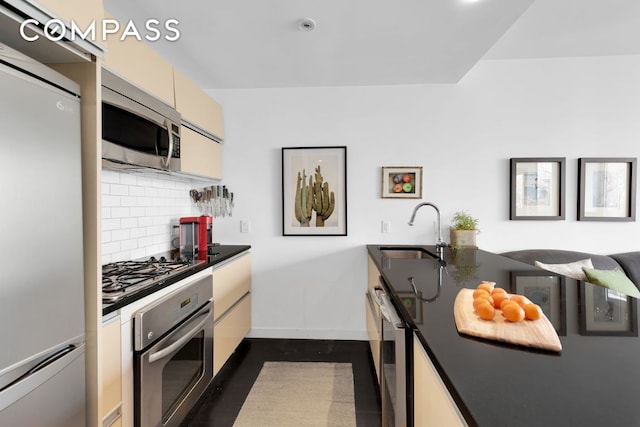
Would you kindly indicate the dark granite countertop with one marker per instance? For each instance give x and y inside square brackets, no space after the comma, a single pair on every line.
[219,254]
[593,381]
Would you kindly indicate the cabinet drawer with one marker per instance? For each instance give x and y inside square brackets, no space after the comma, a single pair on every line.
[200,155]
[230,282]
[229,331]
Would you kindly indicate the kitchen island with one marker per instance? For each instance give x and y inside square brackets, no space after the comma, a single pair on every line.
[593,381]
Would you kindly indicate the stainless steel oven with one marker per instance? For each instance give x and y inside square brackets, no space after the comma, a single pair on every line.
[173,348]
[395,363]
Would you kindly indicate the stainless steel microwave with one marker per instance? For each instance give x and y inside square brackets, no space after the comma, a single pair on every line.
[138,130]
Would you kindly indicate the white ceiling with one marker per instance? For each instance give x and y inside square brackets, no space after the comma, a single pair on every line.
[257,43]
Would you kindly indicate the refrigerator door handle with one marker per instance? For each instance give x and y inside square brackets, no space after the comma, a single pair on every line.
[38,374]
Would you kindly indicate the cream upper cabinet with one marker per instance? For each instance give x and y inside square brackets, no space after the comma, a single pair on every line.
[199,155]
[82,12]
[198,108]
[138,63]
[433,405]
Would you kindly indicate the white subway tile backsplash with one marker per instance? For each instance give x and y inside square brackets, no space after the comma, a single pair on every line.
[109,200]
[120,235]
[110,224]
[119,190]
[120,213]
[130,222]
[110,248]
[110,176]
[129,201]
[139,210]
[136,190]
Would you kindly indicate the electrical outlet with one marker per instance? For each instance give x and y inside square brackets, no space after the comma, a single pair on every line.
[386,226]
[245,226]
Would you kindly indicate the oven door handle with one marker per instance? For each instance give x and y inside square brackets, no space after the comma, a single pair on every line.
[161,354]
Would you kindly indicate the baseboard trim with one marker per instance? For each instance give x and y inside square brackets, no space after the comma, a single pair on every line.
[317,334]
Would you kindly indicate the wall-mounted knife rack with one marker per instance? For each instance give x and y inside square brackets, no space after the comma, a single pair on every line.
[215,200]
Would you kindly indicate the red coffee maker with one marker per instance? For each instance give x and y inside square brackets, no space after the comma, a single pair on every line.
[196,235]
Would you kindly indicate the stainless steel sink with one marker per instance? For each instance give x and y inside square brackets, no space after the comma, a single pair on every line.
[406,253]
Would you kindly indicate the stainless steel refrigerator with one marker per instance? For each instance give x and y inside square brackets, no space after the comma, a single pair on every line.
[42,344]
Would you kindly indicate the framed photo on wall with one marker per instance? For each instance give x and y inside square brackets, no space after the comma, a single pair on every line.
[314,191]
[537,188]
[402,182]
[607,190]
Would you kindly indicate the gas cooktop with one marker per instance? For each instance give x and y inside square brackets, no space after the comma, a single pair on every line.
[124,278]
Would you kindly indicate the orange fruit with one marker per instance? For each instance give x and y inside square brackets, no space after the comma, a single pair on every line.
[486,286]
[481,298]
[485,310]
[507,300]
[513,312]
[519,299]
[532,311]
[498,291]
[486,297]
[480,292]
[498,298]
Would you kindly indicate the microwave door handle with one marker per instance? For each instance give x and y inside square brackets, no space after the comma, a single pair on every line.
[158,355]
[166,162]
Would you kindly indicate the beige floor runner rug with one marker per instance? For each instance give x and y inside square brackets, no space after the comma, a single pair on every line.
[300,394]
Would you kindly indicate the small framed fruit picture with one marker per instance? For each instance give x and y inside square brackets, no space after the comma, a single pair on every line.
[402,182]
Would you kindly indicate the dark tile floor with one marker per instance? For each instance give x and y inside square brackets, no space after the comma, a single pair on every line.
[221,403]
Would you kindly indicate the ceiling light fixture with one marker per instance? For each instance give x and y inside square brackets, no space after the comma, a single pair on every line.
[306,24]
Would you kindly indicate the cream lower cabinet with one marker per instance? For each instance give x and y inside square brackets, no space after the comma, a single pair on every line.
[432,404]
[199,155]
[231,307]
[374,325]
[111,373]
[373,331]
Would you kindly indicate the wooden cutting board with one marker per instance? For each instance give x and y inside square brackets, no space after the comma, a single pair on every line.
[531,333]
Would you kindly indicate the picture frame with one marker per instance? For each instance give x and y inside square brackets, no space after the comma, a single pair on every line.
[603,311]
[319,209]
[401,182]
[413,304]
[537,188]
[607,189]
[545,289]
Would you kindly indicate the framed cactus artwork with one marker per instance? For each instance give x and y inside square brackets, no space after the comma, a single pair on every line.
[402,182]
[314,191]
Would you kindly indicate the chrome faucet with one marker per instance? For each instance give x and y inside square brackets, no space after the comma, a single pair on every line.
[440,244]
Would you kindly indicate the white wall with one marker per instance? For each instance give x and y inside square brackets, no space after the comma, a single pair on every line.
[463,135]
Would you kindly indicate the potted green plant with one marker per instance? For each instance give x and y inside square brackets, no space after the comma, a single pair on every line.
[463,230]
